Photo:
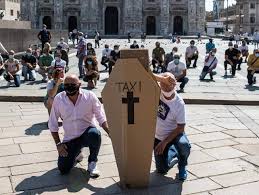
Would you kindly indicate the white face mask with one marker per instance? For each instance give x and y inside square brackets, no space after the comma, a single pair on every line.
[117,51]
[168,94]
[80,37]
[230,47]
[11,57]
[257,55]
[213,53]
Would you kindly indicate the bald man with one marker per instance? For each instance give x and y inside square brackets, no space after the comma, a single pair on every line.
[78,109]
[171,144]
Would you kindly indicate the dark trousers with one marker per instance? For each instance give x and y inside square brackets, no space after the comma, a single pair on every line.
[189,61]
[183,82]
[90,138]
[97,43]
[2,71]
[234,67]
[250,76]
[111,64]
[42,45]
[179,147]
[17,79]
[104,61]
[239,62]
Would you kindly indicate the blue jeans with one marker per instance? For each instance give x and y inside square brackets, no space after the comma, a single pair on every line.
[17,80]
[26,71]
[179,148]
[90,138]
[80,65]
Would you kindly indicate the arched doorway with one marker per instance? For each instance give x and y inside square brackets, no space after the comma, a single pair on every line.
[47,21]
[178,25]
[111,21]
[72,23]
[151,25]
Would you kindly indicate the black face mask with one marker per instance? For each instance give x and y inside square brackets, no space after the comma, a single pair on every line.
[71,89]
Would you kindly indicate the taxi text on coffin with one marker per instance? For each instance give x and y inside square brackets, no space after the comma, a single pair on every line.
[131,98]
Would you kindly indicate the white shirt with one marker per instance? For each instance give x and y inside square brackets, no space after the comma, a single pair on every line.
[106,52]
[170,114]
[190,51]
[63,45]
[243,48]
[59,64]
[176,70]
[211,62]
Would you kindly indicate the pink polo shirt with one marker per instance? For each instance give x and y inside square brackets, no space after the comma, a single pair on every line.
[76,118]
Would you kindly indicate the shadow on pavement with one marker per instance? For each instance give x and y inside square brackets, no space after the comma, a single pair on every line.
[78,180]
[37,128]
[53,181]
[252,88]
[34,83]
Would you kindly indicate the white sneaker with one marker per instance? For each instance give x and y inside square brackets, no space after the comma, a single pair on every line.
[93,170]
[226,73]
[79,158]
[8,84]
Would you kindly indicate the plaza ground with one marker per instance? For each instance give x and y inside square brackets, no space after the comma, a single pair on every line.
[224,156]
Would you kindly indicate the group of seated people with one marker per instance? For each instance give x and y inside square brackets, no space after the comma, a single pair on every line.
[31,62]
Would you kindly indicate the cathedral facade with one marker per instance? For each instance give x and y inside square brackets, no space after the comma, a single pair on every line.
[117,17]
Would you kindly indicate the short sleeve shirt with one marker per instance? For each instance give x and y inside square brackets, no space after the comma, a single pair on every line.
[46,60]
[51,84]
[11,65]
[59,64]
[190,51]
[170,114]
[158,53]
[176,70]
[232,53]
[29,59]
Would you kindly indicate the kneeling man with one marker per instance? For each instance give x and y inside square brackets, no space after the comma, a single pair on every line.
[78,109]
[170,139]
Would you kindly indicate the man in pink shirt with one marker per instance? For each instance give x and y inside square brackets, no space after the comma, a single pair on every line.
[79,111]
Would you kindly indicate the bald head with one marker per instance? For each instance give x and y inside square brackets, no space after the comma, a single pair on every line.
[72,79]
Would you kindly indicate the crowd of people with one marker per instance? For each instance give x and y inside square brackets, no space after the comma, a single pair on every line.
[79,108]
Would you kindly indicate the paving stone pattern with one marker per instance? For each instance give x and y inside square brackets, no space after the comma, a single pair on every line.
[224,157]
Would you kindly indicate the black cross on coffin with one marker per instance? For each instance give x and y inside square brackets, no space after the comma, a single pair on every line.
[130,100]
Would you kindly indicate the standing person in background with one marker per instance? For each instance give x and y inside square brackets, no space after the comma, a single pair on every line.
[81,54]
[97,39]
[44,36]
[129,37]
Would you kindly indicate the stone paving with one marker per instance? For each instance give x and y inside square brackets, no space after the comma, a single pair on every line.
[223,88]
[224,158]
